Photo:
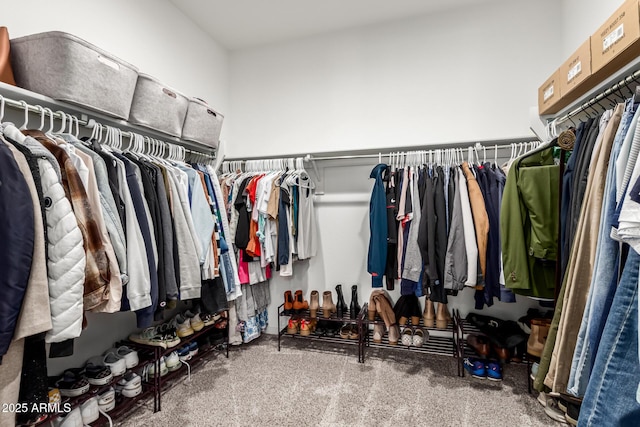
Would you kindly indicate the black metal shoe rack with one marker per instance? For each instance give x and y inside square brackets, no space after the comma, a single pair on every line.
[464,329]
[333,318]
[155,386]
[442,342]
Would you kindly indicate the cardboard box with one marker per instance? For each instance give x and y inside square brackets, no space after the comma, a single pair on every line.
[576,69]
[549,94]
[615,43]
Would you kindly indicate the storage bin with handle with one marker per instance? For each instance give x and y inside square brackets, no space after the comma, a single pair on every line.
[158,107]
[67,68]
[202,124]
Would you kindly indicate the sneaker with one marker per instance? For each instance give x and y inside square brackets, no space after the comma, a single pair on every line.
[149,336]
[97,374]
[293,326]
[71,419]
[169,334]
[130,385]
[173,361]
[494,371]
[573,413]
[553,411]
[407,337]
[184,354]
[209,319]
[116,363]
[196,322]
[475,367]
[90,411]
[542,398]
[163,368]
[130,356]
[72,384]
[193,348]
[534,371]
[183,326]
[107,400]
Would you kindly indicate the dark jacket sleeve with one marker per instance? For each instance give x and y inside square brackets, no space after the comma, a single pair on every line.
[377,256]
[17,237]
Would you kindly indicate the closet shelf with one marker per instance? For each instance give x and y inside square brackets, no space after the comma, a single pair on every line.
[441,346]
[15,93]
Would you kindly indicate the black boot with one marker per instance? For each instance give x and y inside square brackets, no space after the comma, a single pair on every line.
[341,306]
[354,309]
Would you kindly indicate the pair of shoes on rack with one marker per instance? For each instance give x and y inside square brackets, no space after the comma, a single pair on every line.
[380,305]
[304,327]
[187,324]
[187,352]
[164,335]
[415,338]
[349,331]
[483,346]
[442,318]
[294,303]
[130,385]
[483,369]
[340,308]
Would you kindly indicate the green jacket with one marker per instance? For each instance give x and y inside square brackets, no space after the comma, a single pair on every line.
[529,225]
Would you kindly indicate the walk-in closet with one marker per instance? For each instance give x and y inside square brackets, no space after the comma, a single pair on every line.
[339,213]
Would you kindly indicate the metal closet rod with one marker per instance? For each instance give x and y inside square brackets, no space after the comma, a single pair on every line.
[310,157]
[59,115]
[596,99]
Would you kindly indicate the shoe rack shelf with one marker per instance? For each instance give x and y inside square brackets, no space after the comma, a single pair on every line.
[123,404]
[464,329]
[158,384]
[325,337]
[441,341]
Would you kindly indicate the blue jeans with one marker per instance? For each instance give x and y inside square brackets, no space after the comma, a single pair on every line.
[605,275]
[610,399]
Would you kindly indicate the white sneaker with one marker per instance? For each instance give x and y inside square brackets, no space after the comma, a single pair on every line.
[116,363]
[72,419]
[130,356]
[183,326]
[163,368]
[172,361]
[130,385]
[90,411]
[107,400]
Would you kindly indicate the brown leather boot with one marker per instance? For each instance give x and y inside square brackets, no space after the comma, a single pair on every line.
[328,306]
[288,303]
[314,304]
[429,313]
[442,317]
[503,353]
[385,310]
[538,337]
[371,308]
[480,344]
[299,303]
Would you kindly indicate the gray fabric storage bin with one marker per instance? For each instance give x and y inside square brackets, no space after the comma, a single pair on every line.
[67,68]
[158,107]
[202,124]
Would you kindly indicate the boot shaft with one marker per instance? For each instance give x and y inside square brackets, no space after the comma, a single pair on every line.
[314,303]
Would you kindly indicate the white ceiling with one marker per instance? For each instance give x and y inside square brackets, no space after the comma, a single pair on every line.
[237,24]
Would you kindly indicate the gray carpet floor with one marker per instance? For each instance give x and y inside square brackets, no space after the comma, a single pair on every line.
[306,385]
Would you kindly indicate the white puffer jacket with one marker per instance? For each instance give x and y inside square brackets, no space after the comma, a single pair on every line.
[65,251]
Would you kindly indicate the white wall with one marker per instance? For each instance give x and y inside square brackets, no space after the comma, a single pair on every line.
[581,18]
[453,76]
[157,38]
[153,35]
[456,76]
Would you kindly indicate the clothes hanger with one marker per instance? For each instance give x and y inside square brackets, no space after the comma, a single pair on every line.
[26,115]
